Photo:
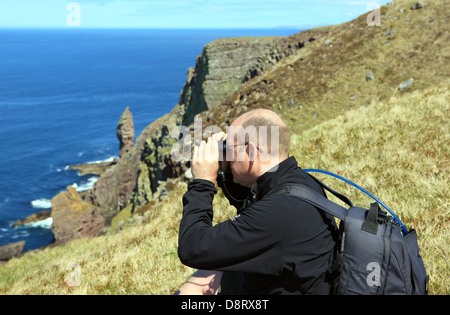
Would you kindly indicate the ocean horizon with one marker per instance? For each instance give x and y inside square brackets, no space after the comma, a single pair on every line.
[62,93]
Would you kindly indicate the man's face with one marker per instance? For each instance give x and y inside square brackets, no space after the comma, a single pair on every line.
[237,155]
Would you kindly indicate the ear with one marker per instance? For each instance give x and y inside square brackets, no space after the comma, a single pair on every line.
[253,152]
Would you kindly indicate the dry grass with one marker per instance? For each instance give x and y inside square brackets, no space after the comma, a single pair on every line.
[142,259]
[328,77]
[398,150]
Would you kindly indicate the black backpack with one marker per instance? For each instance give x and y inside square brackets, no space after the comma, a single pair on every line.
[375,254]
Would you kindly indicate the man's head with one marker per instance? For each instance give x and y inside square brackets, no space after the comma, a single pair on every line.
[257,142]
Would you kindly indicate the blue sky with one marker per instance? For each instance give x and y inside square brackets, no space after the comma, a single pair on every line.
[180,13]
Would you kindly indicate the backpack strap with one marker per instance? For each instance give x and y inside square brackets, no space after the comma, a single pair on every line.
[342,197]
[313,197]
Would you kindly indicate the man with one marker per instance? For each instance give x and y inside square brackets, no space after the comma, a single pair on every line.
[277,244]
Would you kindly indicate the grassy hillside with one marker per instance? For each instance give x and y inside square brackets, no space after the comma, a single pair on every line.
[398,149]
[351,65]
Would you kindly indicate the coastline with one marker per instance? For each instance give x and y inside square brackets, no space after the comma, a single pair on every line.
[42,219]
[74,127]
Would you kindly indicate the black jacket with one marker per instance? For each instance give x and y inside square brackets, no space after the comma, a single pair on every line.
[282,244]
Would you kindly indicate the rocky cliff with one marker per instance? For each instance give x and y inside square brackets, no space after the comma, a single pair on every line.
[222,68]
[140,175]
[74,218]
[306,78]
[226,64]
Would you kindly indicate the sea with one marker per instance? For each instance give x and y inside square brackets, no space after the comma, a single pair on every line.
[62,92]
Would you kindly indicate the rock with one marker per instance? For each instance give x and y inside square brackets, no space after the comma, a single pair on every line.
[226,64]
[417,6]
[11,250]
[93,168]
[125,132]
[290,103]
[370,77]
[39,216]
[135,177]
[405,84]
[113,189]
[74,218]
[327,42]
[389,33]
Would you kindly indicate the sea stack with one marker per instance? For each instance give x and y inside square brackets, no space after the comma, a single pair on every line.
[125,132]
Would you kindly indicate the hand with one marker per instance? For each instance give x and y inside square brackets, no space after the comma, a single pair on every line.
[205,161]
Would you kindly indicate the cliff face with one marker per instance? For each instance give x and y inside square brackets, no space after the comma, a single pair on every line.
[135,177]
[225,65]
[222,68]
[74,218]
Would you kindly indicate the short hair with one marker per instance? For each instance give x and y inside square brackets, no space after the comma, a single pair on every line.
[263,121]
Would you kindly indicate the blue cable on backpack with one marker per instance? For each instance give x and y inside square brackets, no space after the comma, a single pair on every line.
[405,230]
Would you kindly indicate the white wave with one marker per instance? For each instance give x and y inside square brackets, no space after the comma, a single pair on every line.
[66,168]
[86,186]
[44,224]
[110,159]
[41,203]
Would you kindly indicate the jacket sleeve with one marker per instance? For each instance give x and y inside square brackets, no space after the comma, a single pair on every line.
[248,243]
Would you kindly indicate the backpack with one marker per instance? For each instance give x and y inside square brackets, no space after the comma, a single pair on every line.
[375,254]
